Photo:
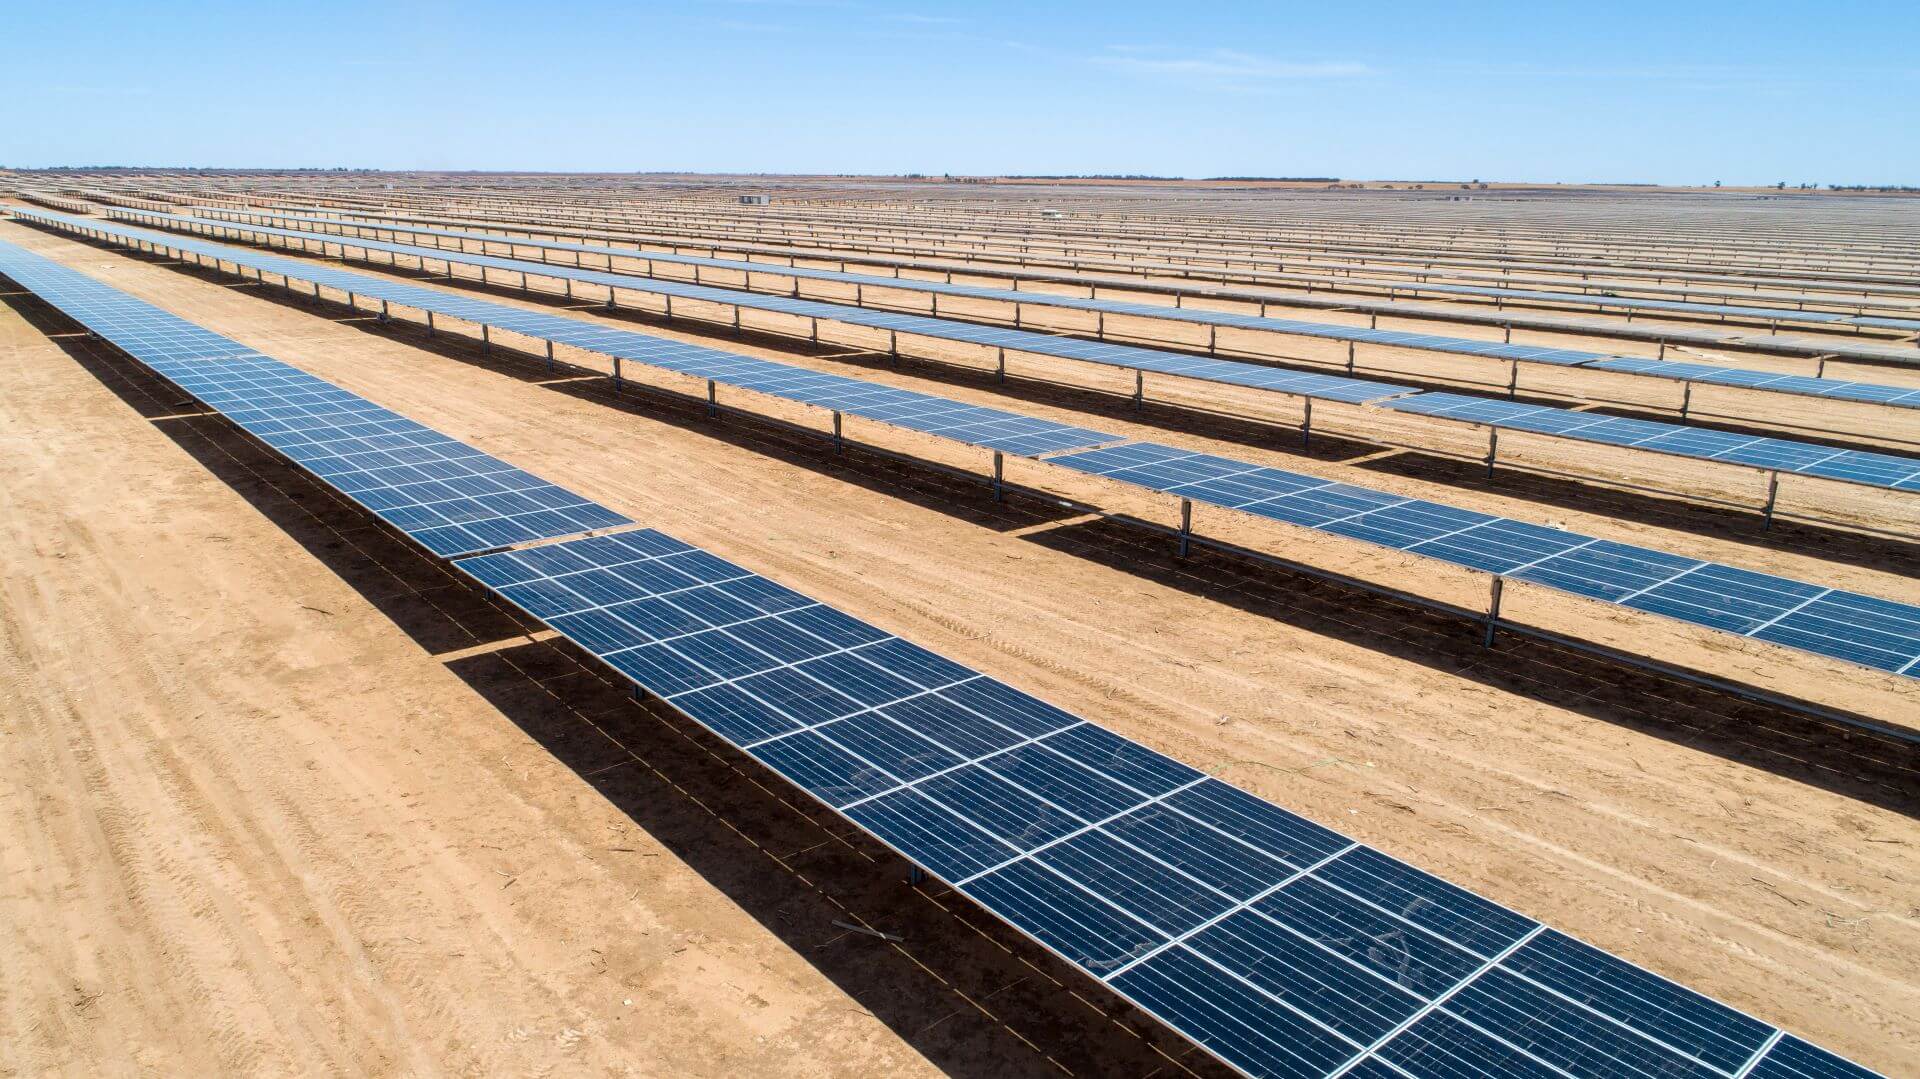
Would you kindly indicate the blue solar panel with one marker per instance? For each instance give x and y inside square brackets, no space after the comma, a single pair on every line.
[1806,346]
[1851,466]
[1430,342]
[1837,389]
[1022,438]
[1549,355]
[448,496]
[1613,573]
[1843,625]
[989,428]
[1281,946]
[1330,387]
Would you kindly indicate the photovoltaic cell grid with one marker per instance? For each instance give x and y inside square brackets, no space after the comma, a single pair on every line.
[1842,625]
[989,428]
[1879,470]
[1852,466]
[1350,389]
[1329,387]
[1827,621]
[1431,342]
[1873,393]
[1592,300]
[1283,947]
[1775,314]
[448,496]
[1855,348]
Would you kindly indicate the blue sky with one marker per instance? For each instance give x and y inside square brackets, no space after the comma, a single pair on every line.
[1670,92]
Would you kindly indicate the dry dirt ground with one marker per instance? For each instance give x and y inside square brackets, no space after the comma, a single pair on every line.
[277,794]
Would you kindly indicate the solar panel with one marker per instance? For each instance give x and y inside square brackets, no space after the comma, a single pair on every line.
[1827,621]
[1331,387]
[974,425]
[448,496]
[1774,341]
[1837,389]
[1574,298]
[1851,466]
[1643,303]
[1856,628]
[1284,948]
[861,398]
[1349,390]
[1429,342]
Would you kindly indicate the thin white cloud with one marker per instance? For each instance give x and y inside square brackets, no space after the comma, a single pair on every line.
[923,20]
[1225,66]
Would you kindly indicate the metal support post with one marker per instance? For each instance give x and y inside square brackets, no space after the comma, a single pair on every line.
[1663,349]
[617,384]
[713,405]
[1186,526]
[1493,448]
[384,315]
[549,357]
[1686,398]
[1506,329]
[893,346]
[430,330]
[1349,357]
[999,476]
[838,445]
[1306,424]
[1513,380]
[1493,610]
[1773,495]
[1000,368]
[1139,389]
[486,340]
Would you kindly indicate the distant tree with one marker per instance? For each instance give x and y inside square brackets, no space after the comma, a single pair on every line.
[1716,183]
[1781,186]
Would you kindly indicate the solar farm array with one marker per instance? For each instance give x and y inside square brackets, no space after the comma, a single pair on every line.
[1278,945]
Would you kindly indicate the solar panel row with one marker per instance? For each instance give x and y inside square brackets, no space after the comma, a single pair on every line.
[1868,469]
[1284,948]
[448,496]
[1642,303]
[1845,625]
[1841,625]
[1585,299]
[1900,396]
[1775,454]
[974,425]
[1198,281]
[1431,342]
